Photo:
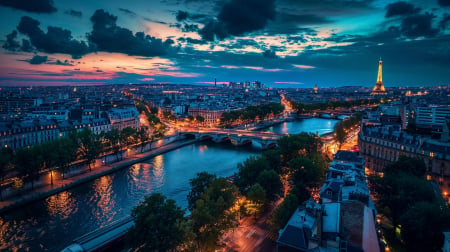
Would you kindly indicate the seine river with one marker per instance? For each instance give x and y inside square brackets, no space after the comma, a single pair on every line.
[52,223]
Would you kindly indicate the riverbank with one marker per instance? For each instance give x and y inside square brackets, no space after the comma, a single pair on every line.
[65,184]
[270,123]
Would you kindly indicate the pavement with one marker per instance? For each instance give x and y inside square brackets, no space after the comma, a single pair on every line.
[59,184]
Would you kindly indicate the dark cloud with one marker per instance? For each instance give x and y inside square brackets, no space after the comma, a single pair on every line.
[154,21]
[109,37]
[296,39]
[419,25]
[213,30]
[182,15]
[190,28]
[37,60]
[11,43]
[26,46]
[195,41]
[74,13]
[270,54]
[400,8]
[443,24]
[444,3]
[292,15]
[131,13]
[240,17]
[62,63]
[56,40]
[38,6]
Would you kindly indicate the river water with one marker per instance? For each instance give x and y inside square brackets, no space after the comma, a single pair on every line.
[52,223]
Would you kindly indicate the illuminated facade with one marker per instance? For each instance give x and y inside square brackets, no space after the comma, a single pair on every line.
[211,116]
[379,87]
[383,145]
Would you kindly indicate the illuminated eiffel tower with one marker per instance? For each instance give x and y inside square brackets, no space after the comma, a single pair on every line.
[379,87]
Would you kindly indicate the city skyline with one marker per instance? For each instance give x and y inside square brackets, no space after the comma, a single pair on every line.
[282,43]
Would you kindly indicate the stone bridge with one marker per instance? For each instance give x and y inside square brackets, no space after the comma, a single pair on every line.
[267,140]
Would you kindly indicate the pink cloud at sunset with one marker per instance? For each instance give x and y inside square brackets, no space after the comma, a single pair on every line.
[304,66]
[265,69]
[147,79]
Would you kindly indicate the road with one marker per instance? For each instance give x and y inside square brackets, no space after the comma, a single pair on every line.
[250,236]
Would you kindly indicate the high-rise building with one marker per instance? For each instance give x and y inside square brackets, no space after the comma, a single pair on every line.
[379,87]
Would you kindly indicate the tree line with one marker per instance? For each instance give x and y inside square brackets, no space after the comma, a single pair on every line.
[216,204]
[342,128]
[60,154]
[415,214]
[302,108]
[251,114]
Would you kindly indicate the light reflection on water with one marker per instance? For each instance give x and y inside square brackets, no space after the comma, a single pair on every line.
[52,223]
[60,205]
[312,125]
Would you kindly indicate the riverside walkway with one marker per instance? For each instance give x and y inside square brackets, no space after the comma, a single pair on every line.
[61,185]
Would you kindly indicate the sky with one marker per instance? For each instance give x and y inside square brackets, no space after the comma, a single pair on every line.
[283,43]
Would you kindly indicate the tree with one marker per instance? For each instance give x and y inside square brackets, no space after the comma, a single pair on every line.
[249,171]
[422,226]
[198,185]
[66,153]
[271,183]
[300,191]
[284,212]
[158,225]
[396,193]
[305,171]
[200,119]
[143,136]
[29,162]
[339,133]
[257,196]
[113,137]
[90,146]
[6,157]
[300,145]
[49,156]
[127,136]
[211,216]
[274,159]
[414,166]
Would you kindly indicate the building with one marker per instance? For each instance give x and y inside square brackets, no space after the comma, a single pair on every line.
[121,118]
[20,134]
[432,115]
[379,87]
[344,220]
[382,145]
[302,232]
[210,114]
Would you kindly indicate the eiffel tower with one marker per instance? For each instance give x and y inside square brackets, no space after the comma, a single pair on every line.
[379,87]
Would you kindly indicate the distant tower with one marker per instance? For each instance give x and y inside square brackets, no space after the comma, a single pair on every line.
[215,82]
[315,89]
[379,87]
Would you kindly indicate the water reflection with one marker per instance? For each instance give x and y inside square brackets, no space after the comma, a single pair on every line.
[313,125]
[102,189]
[60,205]
[52,224]
[158,170]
